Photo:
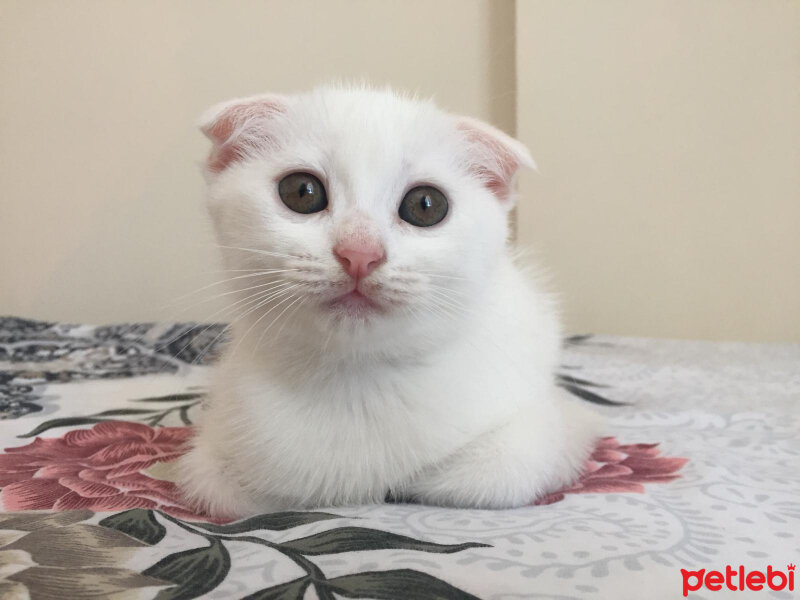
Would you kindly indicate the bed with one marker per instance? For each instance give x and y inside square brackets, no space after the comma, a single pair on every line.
[699,469]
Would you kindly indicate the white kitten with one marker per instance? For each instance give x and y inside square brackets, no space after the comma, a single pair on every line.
[392,346]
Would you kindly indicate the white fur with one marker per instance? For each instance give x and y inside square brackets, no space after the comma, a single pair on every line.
[449,396]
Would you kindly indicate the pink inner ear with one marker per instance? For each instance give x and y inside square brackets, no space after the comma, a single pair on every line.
[232,130]
[220,158]
[495,162]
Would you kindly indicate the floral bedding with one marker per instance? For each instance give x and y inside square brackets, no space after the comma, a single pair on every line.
[699,469]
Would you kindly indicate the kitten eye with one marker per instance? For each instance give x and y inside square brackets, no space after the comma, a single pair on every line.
[303,193]
[423,206]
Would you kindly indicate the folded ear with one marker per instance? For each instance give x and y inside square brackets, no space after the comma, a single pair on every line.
[238,126]
[494,157]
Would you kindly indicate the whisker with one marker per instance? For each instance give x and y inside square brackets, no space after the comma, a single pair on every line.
[449,308]
[235,270]
[221,311]
[449,299]
[289,317]
[210,285]
[245,302]
[412,311]
[159,346]
[253,287]
[327,341]
[270,283]
[260,301]
[438,311]
[437,275]
[449,289]
[259,251]
[274,320]
[281,293]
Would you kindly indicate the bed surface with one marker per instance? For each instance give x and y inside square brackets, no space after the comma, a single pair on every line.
[700,469]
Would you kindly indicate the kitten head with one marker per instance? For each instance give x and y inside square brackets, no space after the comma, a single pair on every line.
[355,214]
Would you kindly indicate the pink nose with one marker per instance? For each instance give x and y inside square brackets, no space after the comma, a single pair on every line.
[359,260]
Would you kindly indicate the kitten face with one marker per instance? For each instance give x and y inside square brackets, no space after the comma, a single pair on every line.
[358,266]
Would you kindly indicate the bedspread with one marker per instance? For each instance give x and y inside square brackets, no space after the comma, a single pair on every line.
[699,469]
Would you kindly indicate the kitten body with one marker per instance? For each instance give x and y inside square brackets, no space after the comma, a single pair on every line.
[429,376]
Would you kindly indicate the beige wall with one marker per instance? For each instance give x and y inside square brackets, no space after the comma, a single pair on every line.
[666,132]
[101,216]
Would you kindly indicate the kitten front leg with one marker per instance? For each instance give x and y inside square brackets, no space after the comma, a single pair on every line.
[535,453]
[208,486]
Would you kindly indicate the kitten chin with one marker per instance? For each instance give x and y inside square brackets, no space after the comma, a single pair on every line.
[384,341]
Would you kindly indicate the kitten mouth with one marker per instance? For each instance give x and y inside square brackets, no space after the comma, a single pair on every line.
[355,303]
